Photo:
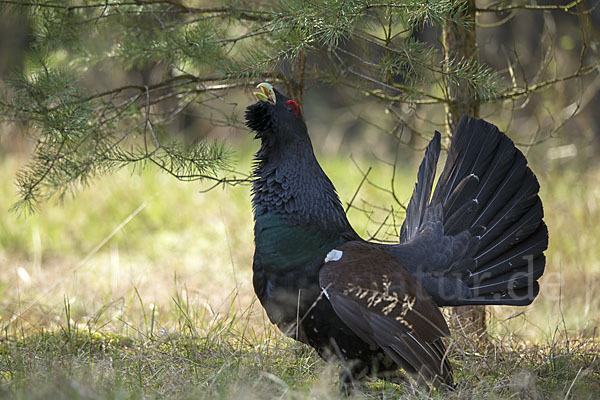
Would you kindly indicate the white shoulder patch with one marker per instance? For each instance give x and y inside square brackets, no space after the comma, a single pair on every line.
[333,255]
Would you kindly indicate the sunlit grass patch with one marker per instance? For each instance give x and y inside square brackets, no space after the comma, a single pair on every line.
[188,351]
[78,362]
[224,356]
[509,367]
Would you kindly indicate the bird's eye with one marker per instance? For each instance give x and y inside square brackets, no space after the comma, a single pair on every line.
[292,106]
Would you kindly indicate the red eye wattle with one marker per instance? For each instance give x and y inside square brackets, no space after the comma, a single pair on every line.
[293,104]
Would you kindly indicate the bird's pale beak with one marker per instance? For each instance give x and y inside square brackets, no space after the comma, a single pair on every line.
[266,93]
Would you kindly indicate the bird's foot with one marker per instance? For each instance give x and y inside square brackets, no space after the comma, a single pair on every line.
[347,382]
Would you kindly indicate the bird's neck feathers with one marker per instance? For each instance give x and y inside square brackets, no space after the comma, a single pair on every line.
[289,182]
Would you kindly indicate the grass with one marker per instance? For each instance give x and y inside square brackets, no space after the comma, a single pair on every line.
[141,288]
[227,358]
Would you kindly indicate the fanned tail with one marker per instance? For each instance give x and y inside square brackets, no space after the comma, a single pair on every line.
[492,214]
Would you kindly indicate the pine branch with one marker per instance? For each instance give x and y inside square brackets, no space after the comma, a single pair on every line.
[516,92]
[534,7]
[197,54]
[78,133]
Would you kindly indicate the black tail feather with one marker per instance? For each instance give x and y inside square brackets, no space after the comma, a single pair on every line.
[487,192]
[461,219]
[518,184]
[464,192]
[514,257]
[471,152]
[519,297]
[509,253]
[496,244]
[515,278]
[416,210]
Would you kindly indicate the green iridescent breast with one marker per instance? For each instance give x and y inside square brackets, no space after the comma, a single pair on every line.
[283,246]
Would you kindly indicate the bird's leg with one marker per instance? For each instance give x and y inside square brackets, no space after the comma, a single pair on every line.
[347,381]
[351,374]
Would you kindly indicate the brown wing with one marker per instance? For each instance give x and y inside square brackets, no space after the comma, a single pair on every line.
[383,304]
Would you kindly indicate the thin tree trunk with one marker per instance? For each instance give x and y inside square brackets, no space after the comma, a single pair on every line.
[295,83]
[460,44]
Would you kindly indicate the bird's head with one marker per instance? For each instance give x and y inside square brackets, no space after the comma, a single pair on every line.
[275,118]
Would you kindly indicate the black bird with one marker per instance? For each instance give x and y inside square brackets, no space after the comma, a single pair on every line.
[478,239]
